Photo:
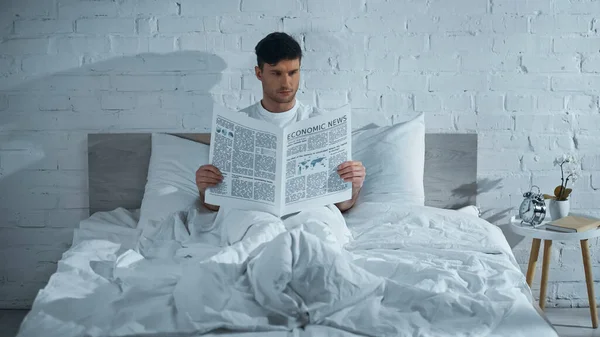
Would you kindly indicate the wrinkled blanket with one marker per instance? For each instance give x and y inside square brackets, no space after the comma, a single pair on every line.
[411,272]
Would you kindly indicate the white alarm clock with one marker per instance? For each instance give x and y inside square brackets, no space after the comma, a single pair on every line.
[533,208]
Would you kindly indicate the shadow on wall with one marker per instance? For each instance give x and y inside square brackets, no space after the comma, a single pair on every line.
[498,217]
[44,122]
[481,186]
[470,191]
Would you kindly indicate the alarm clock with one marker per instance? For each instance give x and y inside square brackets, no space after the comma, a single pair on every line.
[533,208]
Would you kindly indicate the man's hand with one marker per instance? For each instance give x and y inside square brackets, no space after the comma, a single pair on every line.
[355,172]
[207,176]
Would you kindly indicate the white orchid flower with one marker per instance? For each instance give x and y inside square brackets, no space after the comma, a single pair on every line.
[558,161]
[566,158]
[573,175]
[575,161]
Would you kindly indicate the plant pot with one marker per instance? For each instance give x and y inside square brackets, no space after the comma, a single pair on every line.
[559,208]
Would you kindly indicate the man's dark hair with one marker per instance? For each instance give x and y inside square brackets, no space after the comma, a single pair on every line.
[276,47]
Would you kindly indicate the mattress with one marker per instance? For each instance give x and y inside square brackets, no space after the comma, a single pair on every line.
[418,271]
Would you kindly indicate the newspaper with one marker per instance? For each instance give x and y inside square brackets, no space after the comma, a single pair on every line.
[279,170]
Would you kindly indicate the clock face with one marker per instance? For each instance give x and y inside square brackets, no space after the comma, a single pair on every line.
[526,210]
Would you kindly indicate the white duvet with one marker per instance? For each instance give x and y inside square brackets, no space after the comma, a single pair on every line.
[407,272]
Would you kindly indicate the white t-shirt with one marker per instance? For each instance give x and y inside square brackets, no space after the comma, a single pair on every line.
[298,112]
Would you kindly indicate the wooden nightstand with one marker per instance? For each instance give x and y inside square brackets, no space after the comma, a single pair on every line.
[537,234]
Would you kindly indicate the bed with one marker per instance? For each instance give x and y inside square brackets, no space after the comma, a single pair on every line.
[419,263]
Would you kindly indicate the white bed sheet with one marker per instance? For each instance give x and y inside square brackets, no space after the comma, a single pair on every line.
[446,253]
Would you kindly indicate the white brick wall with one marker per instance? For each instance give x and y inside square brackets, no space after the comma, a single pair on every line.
[524,75]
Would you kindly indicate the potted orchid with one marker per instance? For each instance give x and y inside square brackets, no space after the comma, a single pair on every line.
[559,204]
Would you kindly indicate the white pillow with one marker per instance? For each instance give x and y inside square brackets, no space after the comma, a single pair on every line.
[471,209]
[394,158]
[171,183]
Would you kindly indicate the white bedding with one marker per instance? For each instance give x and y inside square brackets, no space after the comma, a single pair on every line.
[408,272]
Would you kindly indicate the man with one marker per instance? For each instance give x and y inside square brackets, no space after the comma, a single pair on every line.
[279,57]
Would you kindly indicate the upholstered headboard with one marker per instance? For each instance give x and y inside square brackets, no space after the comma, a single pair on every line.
[118,166]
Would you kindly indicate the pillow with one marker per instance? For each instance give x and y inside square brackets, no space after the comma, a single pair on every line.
[394,158]
[471,209]
[171,183]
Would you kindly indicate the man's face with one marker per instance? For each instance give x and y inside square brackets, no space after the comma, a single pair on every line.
[280,82]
